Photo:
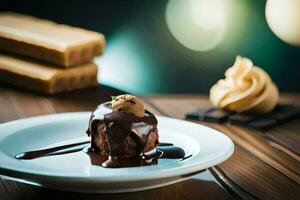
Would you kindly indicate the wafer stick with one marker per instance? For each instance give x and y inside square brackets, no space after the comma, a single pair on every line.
[46,40]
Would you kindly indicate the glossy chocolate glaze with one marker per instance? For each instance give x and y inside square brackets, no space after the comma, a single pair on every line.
[63,149]
[107,161]
[118,126]
[163,150]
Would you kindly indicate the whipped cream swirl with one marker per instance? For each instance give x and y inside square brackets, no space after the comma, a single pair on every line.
[246,88]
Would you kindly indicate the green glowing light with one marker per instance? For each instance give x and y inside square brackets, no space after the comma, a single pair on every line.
[125,65]
[197,24]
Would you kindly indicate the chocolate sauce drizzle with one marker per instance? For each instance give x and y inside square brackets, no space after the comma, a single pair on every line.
[118,126]
[163,150]
[64,149]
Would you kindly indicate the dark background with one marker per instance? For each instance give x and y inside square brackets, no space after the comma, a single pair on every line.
[143,57]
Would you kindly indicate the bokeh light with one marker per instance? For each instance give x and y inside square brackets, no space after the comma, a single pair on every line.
[125,65]
[208,15]
[283,18]
[199,25]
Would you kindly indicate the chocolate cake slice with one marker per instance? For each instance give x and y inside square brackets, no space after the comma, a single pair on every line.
[123,131]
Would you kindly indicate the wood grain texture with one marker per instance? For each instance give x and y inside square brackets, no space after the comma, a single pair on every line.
[260,167]
[287,135]
[195,188]
[15,104]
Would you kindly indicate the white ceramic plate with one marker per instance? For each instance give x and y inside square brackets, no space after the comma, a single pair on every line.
[73,172]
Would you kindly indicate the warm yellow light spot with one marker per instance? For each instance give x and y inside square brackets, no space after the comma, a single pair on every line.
[283,17]
[197,24]
[208,14]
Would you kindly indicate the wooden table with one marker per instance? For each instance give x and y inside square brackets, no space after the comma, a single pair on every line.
[265,165]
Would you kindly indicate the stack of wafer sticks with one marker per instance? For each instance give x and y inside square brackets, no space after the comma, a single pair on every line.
[47,57]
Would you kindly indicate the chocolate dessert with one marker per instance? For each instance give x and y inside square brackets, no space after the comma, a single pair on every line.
[123,132]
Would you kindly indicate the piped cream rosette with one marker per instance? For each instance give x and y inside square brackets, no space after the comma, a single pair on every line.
[246,88]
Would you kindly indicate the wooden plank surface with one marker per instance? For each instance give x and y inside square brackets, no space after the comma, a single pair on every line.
[265,165]
[15,104]
[260,167]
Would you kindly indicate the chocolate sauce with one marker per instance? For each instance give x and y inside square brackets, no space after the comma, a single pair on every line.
[109,162]
[119,125]
[64,149]
[163,150]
